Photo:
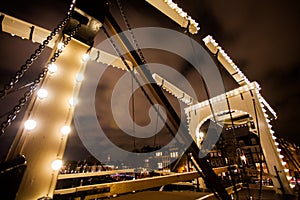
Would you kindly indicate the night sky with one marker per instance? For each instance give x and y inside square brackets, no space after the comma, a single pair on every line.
[261,37]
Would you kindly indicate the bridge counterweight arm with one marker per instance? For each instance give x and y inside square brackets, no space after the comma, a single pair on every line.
[172,89]
[29,31]
[174,12]
[231,67]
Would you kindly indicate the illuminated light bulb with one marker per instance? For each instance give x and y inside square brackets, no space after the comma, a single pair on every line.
[30,124]
[65,130]
[52,68]
[56,164]
[85,57]
[286,170]
[179,10]
[207,40]
[73,101]
[289,178]
[42,93]
[281,156]
[276,143]
[61,46]
[183,14]
[79,77]
[283,163]
[278,149]
[274,137]
[173,6]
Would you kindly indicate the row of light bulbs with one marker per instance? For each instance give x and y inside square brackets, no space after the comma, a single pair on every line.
[262,104]
[216,48]
[172,10]
[42,93]
[235,92]
[183,14]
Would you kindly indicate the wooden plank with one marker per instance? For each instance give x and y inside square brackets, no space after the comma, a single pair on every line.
[122,187]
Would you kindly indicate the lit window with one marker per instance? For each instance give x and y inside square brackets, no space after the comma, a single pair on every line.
[174,154]
[159,165]
[158,154]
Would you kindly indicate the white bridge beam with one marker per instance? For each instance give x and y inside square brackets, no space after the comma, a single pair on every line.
[171,9]
[36,34]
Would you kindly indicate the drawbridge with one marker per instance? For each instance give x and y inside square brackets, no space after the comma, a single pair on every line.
[42,137]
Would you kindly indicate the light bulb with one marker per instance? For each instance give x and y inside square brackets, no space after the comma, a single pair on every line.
[42,93]
[52,68]
[79,77]
[30,124]
[56,164]
[65,130]
[283,163]
[286,170]
[73,101]
[61,46]
[85,57]
[281,156]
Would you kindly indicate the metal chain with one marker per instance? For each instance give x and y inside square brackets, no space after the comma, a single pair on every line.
[131,32]
[17,108]
[20,73]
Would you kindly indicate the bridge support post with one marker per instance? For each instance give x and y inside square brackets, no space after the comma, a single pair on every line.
[45,142]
